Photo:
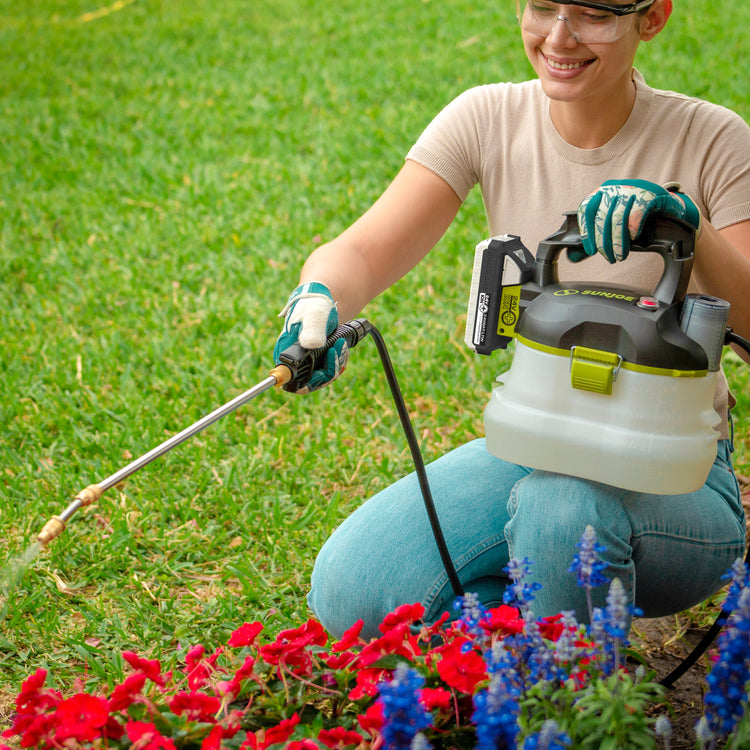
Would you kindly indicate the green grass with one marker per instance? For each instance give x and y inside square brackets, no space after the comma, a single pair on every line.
[164,170]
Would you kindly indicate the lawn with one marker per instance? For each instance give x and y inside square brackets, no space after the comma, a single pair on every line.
[165,167]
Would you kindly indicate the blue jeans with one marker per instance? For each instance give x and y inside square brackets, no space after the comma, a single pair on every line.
[669,551]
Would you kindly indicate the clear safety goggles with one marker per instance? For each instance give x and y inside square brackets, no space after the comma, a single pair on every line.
[588,22]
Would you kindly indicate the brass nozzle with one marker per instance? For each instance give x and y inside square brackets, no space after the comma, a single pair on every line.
[282,374]
[54,527]
[89,495]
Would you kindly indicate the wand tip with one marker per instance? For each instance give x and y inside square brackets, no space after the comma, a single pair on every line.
[53,528]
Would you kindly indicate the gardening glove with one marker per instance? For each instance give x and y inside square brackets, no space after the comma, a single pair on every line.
[310,317]
[615,214]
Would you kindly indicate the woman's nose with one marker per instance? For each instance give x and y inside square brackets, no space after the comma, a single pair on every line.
[561,34]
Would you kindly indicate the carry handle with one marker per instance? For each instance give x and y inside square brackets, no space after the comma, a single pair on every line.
[671,238]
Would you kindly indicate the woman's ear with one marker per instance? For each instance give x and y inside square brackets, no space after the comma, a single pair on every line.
[655,19]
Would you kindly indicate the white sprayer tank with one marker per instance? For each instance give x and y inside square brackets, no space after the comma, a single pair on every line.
[609,383]
[652,433]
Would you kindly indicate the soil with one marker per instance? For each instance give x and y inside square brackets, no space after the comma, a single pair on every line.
[664,642]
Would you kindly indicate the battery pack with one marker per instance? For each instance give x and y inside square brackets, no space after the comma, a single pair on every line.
[501,265]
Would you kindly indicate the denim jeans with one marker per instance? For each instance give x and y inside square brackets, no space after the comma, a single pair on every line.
[670,551]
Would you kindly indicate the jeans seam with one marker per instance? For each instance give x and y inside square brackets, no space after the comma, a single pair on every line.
[688,539]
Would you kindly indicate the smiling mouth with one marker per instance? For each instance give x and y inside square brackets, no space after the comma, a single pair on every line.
[565,65]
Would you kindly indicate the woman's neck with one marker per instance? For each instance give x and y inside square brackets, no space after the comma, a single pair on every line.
[589,124]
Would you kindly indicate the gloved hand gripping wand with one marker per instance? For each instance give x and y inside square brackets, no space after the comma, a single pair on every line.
[294,368]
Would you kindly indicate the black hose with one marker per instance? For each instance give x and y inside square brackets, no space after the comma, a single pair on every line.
[733,338]
[416,455]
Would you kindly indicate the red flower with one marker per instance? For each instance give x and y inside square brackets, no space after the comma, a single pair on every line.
[350,637]
[199,670]
[338,738]
[339,661]
[195,706]
[194,655]
[302,745]
[34,730]
[281,732]
[247,669]
[150,667]
[212,741]
[245,635]
[232,688]
[312,633]
[459,670]
[367,683]
[294,656]
[145,736]
[398,640]
[228,689]
[406,613]
[33,697]
[81,717]
[429,631]
[432,698]
[34,721]
[127,692]
[550,627]
[372,720]
[291,647]
[503,620]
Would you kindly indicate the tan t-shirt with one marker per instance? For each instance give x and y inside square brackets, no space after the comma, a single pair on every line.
[500,136]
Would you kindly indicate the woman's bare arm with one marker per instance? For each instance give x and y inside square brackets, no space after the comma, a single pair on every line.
[400,228]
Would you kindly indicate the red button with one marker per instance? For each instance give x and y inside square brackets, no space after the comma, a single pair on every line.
[648,303]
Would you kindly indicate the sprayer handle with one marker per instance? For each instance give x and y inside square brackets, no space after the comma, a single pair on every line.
[302,362]
[667,236]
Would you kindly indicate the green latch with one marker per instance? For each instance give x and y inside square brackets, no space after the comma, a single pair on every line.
[593,369]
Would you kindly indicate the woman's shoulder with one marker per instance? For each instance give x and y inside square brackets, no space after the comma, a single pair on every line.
[490,101]
[501,92]
[702,114]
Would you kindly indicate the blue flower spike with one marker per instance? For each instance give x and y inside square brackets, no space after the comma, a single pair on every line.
[548,738]
[472,613]
[739,574]
[588,565]
[663,729]
[725,699]
[518,593]
[404,716]
[495,714]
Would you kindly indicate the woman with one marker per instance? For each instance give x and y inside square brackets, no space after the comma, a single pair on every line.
[537,149]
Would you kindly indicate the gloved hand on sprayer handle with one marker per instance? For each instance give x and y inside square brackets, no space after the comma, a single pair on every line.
[310,316]
[614,214]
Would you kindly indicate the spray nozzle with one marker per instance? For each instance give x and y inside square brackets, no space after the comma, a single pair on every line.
[56,525]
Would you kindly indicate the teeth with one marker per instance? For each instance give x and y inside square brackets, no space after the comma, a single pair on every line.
[565,66]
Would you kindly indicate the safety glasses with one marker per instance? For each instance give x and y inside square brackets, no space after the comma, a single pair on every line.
[588,22]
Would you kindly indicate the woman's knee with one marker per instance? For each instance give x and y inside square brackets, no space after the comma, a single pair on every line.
[549,513]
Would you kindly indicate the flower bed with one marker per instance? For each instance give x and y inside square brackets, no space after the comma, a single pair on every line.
[490,679]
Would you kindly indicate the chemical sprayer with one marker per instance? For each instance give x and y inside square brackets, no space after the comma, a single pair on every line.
[609,383]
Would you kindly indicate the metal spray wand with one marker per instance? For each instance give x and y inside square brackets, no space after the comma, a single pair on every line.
[296,367]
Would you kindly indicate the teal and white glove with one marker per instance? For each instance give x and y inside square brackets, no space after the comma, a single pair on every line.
[615,214]
[310,317]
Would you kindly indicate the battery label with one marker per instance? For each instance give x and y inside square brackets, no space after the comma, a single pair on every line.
[509,306]
[480,324]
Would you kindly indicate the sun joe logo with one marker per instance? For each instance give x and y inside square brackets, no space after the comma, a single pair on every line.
[594,293]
